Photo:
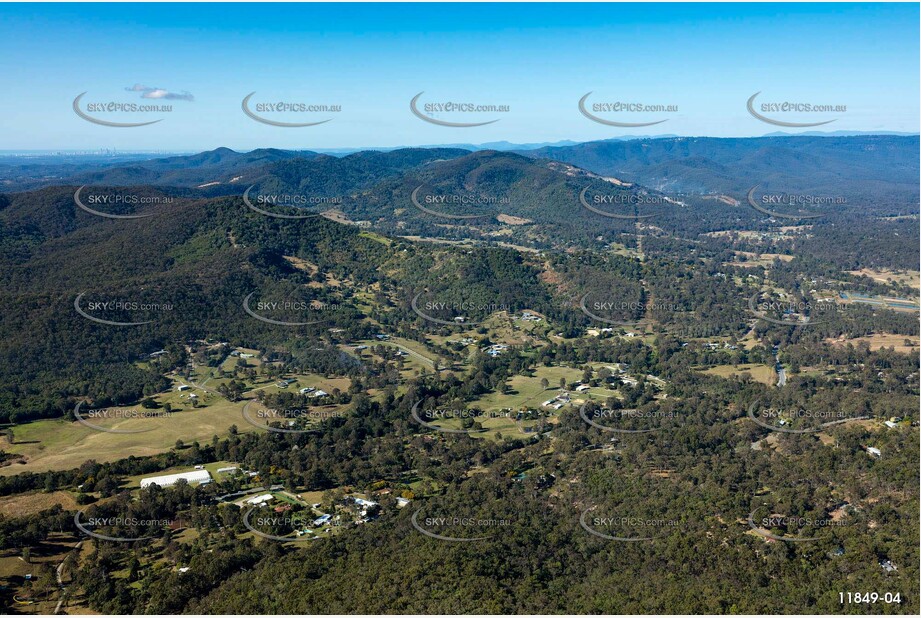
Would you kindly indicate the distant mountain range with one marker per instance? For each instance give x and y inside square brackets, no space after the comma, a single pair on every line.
[866,166]
[877,174]
[677,164]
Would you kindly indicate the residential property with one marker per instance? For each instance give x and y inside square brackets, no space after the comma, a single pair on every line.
[887,565]
[261,499]
[557,402]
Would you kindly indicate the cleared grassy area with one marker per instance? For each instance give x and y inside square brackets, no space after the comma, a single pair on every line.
[528,392]
[13,570]
[759,373]
[231,361]
[376,237]
[20,505]
[883,340]
[904,277]
[505,425]
[62,445]
[301,380]
[760,259]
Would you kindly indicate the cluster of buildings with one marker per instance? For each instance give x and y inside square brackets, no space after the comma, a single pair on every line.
[557,402]
[718,346]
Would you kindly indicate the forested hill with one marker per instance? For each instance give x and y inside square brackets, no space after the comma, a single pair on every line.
[857,165]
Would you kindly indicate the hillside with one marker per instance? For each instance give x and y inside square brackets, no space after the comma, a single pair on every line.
[874,167]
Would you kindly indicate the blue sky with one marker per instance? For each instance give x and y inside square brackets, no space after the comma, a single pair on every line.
[371,59]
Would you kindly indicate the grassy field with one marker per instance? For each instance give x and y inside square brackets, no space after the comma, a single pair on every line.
[760,259]
[759,373]
[527,392]
[61,445]
[506,425]
[13,570]
[20,505]
[882,340]
[302,380]
[905,277]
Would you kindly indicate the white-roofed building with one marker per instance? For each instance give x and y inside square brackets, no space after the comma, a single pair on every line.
[196,476]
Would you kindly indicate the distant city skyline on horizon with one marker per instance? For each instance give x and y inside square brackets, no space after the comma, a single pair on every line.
[386,77]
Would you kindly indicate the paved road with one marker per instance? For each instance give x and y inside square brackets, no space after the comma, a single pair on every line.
[781,375]
[57,573]
[781,372]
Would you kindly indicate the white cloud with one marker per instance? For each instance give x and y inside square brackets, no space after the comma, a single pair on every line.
[148,92]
